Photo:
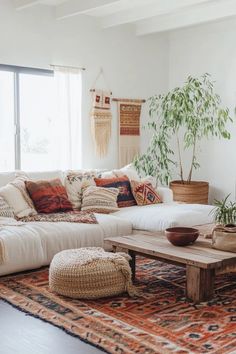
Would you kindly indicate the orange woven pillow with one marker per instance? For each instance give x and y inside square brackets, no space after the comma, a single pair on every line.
[48,196]
[125,197]
[144,193]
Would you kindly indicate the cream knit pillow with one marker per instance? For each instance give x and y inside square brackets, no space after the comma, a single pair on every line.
[100,200]
[5,209]
[16,196]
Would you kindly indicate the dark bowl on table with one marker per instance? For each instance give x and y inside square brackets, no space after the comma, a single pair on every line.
[181,236]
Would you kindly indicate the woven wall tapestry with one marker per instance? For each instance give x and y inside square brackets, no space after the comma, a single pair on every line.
[129,129]
[101,121]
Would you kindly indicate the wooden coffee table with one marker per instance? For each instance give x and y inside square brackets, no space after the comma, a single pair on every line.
[201,261]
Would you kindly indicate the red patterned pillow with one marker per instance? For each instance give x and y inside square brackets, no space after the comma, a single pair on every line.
[125,197]
[144,193]
[48,196]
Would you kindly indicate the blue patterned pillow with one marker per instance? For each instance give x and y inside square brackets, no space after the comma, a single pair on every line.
[125,197]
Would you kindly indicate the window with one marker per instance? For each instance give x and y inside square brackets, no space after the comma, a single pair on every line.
[7,127]
[27,119]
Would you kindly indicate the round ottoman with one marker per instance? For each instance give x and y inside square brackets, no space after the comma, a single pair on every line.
[90,273]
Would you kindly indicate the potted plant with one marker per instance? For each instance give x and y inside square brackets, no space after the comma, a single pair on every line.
[224,234]
[179,120]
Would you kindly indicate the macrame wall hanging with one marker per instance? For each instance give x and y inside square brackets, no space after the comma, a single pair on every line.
[101,118]
[129,111]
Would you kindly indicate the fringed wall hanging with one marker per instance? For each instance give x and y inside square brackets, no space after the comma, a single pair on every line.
[129,111]
[101,119]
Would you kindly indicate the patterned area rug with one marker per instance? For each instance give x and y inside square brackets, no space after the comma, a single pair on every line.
[160,321]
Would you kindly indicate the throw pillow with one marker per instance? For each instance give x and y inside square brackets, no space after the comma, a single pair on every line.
[48,196]
[19,183]
[5,209]
[100,200]
[75,181]
[125,197]
[17,201]
[144,193]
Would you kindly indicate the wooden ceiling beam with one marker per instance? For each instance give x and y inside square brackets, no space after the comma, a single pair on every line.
[75,7]
[23,4]
[195,15]
[148,9]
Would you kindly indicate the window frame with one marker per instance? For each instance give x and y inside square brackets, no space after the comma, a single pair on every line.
[17,70]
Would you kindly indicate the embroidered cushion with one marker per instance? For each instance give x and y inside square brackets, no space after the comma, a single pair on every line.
[5,209]
[144,193]
[48,196]
[74,182]
[125,197]
[100,200]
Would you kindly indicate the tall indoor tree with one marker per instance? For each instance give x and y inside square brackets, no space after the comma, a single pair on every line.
[184,116]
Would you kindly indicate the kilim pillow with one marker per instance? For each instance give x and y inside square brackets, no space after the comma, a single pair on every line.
[100,200]
[5,209]
[144,193]
[125,197]
[48,196]
[75,181]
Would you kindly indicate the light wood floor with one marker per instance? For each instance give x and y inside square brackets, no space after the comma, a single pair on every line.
[22,334]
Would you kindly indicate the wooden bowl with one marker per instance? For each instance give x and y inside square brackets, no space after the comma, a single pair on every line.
[181,236]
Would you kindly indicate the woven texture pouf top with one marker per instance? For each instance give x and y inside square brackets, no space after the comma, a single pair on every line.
[90,273]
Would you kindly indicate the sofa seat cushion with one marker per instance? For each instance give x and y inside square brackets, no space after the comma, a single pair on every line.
[34,244]
[158,217]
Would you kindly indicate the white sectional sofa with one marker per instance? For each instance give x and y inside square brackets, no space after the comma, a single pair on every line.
[34,244]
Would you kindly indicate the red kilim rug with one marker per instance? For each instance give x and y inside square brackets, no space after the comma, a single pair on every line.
[159,321]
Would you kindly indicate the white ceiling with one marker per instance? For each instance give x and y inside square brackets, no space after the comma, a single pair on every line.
[148,16]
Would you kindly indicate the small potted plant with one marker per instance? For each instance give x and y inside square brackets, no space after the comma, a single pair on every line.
[179,120]
[224,234]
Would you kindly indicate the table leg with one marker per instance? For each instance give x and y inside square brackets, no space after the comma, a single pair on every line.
[132,263]
[199,283]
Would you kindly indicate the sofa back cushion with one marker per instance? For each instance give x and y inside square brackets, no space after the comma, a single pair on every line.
[7,177]
[128,171]
[48,196]
[125,197]
[100,200]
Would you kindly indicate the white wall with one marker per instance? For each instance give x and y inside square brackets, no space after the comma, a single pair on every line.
[135,67]
[210,48]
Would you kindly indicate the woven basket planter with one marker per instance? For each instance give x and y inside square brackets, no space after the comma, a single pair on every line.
[195,192]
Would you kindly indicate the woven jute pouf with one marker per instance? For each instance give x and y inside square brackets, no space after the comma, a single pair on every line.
[90,273]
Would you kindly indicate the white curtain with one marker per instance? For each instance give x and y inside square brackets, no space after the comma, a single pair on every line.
[68,117]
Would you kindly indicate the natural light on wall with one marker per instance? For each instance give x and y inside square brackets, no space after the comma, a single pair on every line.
[40,119]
